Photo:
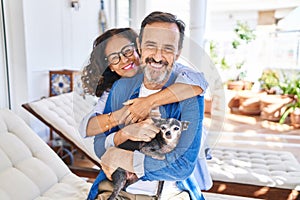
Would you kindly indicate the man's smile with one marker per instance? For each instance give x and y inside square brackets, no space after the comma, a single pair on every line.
[156,65]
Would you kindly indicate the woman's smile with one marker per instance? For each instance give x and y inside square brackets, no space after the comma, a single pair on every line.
[129,66]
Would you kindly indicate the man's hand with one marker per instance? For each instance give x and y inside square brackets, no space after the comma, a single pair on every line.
[114,158]
[141,131]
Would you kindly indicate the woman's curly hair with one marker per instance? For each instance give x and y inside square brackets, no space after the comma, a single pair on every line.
[96,76]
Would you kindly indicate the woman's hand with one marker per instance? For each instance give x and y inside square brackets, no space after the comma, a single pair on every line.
[121,115]
[139,108]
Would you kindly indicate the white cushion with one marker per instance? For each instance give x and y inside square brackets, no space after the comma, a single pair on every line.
[256,167]
[29,169]
[65,112]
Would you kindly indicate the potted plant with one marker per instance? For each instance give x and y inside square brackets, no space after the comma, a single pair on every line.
[290,84]
[293,109]
[269,81]
[243,35]
[292,88]
[275,107]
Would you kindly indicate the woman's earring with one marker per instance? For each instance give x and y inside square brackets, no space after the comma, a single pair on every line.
[112,70]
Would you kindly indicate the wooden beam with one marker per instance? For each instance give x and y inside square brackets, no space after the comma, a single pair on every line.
[84,171]
[254,191]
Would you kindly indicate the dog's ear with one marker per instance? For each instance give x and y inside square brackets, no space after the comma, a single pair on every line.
[157,121]
[185,125]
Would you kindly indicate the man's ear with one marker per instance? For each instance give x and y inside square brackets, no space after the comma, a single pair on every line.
[178,54]
[138,45]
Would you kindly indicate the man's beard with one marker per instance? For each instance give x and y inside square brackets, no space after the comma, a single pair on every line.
[156,76]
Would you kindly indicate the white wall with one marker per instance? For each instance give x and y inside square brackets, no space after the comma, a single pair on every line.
[57,37]
[220,29]
[45,35]
[178,7]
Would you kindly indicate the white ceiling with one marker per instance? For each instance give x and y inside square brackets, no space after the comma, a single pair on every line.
[258,5]
[290,21]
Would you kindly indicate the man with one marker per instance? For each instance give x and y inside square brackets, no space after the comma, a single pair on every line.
[159,43]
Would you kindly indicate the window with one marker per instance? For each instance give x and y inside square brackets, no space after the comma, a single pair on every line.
[122,13]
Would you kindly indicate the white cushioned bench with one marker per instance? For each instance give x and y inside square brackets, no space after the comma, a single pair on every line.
[30,169]
[63,114]
[277,170]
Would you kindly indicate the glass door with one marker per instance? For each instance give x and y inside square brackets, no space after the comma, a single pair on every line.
[4,91]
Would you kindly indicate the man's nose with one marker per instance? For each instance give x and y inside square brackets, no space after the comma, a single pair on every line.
[158,55]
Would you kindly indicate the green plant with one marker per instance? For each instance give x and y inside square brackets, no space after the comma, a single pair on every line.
[243,34]
[269,80]
[290,108]
[290,87]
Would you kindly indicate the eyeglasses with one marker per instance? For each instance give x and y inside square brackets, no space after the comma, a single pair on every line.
[126,51]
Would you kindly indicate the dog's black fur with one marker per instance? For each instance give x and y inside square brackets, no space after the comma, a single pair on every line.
[164,142]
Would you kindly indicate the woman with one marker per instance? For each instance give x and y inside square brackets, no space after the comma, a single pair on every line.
[114,56]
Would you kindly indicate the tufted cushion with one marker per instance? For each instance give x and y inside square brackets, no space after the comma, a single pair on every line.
[257,167]
[65,112]
[29,169]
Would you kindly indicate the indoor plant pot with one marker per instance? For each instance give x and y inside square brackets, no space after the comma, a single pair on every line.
[293,109]
[291,87]
[235,85]
[239,85]
[274,106]
[295,118]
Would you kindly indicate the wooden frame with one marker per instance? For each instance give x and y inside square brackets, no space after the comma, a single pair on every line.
[254,191]
[69,73]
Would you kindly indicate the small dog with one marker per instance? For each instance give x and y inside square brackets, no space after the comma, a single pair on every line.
[164,142]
